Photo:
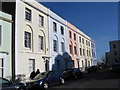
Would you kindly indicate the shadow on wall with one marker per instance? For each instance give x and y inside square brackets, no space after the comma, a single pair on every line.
[62,62]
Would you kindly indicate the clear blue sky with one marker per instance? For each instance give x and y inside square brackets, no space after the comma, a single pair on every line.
[99,20]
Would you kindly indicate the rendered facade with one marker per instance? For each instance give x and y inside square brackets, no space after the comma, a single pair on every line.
[114,55]
[58,43]
[31,39]
[5,45]
[94,58]
[43,40]
[73,43]
[85,50]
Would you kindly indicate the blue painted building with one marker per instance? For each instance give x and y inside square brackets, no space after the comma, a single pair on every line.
[58,43]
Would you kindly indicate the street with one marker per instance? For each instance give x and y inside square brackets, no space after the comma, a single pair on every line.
[102,79]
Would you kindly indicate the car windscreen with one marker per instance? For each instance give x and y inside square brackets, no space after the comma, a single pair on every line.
[3,81]
[41,75]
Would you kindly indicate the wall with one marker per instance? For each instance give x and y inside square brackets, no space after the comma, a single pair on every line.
[59,56]
[85,60]
[73,42]
[24,54]
[5,48]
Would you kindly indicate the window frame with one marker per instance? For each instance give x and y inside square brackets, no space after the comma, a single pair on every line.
[75,50]
[114,46]
[83,41]
[41,43]
[79,39]
[62,30]
[70,48]
[41,21]
[27,39]
[32,66]
[74,36]
[115,53]
[62,46]
[28,14]
[54,26]
[80,51]
[83,52]
[70,34]
[55,45]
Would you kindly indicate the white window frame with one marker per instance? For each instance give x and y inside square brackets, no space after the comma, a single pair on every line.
[28,14]
[70,34]
[27,39]
[41,21]
[54,26]
[79,39]
[62,46]
[40,43]
[83,40]
[75,50]
[55,45]
[62,30]
[83,52]
[80,51]
[74,36]
[31,65]
[71,50]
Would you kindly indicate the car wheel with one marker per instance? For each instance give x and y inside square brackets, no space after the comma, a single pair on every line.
[45,85]
[62,81]
[21,88]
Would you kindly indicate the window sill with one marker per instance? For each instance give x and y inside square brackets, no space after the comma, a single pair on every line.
[28,21]
[27,48]
[41,26]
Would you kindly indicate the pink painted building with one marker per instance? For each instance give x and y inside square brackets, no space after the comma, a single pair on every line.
[73,44]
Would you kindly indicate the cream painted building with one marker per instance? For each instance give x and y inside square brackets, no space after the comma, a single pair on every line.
[84,50]
[31,48]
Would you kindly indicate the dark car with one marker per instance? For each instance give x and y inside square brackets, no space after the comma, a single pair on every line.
[93,69]
[9,85]
[115,67]
[46,79]
[74,73]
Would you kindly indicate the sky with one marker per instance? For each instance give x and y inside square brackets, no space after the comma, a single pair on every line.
[99,20]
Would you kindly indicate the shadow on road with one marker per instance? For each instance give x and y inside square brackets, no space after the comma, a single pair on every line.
[102,75]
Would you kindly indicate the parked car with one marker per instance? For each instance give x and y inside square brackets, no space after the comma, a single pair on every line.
[45,79]
[115,67]
[92,69]
[74,73]
[9,85]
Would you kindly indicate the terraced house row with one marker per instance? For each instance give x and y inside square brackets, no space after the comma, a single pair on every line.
[40,39]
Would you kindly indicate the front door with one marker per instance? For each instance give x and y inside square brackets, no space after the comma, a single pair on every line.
[47,65]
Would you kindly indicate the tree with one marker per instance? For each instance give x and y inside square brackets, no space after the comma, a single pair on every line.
[103,59]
